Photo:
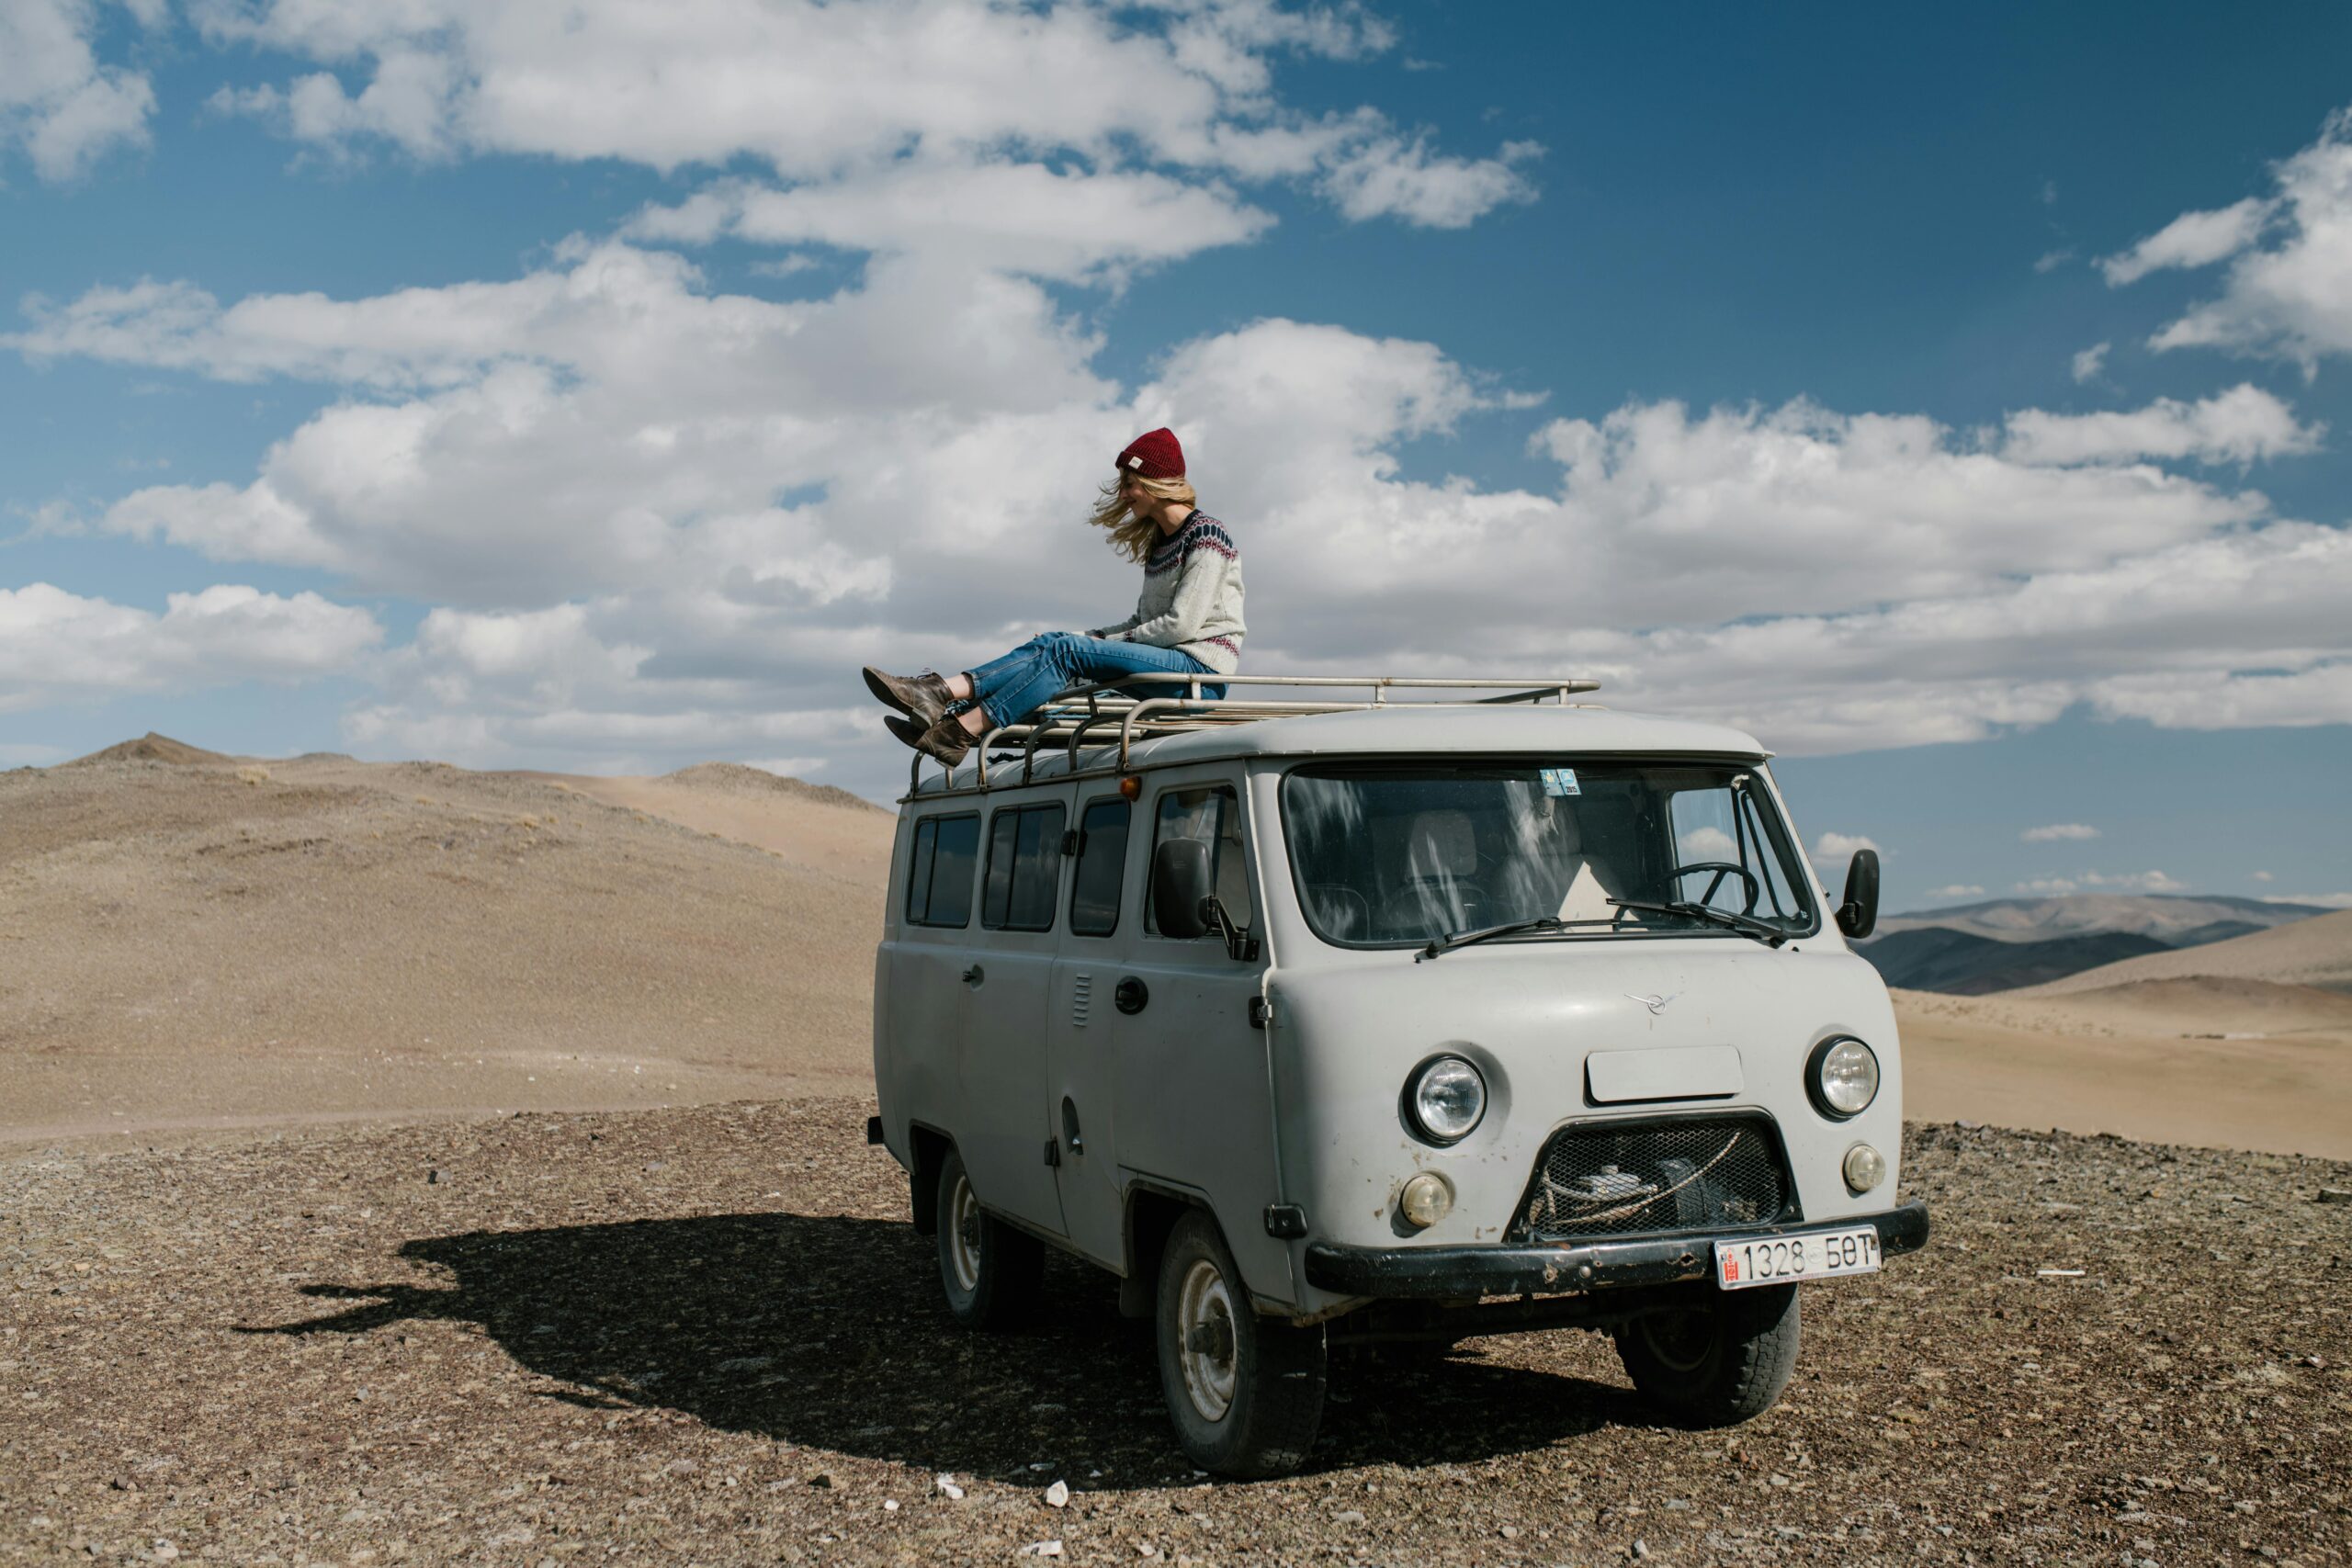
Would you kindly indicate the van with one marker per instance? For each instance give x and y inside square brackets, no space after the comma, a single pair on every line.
[1385,1011]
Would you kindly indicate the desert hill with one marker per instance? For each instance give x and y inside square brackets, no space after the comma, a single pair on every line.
[191,940]
[153,748]
[2176,920]
[2316,952]
[1931,958]
[2007,943]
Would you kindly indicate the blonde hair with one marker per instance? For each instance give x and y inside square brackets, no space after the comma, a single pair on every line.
[1131,536]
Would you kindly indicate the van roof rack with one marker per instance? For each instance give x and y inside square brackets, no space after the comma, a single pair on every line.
[1070,717]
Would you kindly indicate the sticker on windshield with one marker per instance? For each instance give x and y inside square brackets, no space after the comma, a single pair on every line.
[1560,781]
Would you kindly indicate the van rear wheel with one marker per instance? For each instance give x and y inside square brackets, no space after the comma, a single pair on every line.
[990,1271]
[1244,1392]
[1718,1364]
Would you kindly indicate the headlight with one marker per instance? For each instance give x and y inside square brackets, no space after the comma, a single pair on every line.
[1446,1098]
[1842,1077]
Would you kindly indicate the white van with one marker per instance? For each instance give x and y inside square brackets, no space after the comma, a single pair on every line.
[1322,1020]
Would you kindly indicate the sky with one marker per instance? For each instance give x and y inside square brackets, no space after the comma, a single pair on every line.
[1959,404]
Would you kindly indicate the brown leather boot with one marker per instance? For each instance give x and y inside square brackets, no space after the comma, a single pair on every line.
[944,743]
[922,698]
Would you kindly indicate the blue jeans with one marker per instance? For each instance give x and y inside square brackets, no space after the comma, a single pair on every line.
[1039,669]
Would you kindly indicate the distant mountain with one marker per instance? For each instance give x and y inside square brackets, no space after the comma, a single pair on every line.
[1933,958]
[2312,952]
[2174,919]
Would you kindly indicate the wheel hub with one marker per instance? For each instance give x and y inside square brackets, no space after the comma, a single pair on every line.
[964,1236]
[1206,1335]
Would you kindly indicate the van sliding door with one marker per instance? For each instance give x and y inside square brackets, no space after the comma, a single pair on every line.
[1002,1059]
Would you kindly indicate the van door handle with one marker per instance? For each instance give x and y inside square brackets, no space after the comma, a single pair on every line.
[975,974]
[1130,995]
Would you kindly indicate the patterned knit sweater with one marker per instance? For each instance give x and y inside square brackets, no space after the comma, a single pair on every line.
[1192,596]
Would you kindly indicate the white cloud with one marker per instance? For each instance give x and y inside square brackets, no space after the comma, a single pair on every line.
[1017,217]
[2058,832]
[1834,848]
[2126,882]
[2089,362]
[2137,882]
[1708,843]
[56,646]
[833,98]
[2239,425]
[2288,291]
[2325,900]
[2050,261]
[1957,890]
[1390,177]
[733,500]
[2260,876]
[2232,699]
[2191,239]
[59,104]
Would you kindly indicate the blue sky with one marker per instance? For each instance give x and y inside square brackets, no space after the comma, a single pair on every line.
[598,398]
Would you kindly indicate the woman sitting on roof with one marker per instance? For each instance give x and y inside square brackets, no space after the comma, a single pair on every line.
[1188,621]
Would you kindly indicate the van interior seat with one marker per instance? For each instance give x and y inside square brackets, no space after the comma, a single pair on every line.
[1435,894]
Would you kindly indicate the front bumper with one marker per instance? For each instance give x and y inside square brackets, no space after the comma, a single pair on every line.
[1458,1272]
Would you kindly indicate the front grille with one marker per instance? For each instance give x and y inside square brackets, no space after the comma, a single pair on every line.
[1618,1178]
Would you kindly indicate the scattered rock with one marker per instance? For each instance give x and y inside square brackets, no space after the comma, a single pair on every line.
[1058,1494]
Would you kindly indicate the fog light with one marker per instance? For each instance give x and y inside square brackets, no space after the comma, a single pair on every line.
[1426,1200]
[1865,1168]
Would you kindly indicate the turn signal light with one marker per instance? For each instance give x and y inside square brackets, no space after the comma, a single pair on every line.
[1131,788]
[1426,1200]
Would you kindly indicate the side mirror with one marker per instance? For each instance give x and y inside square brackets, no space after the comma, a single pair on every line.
[1180,881]
[1858,915]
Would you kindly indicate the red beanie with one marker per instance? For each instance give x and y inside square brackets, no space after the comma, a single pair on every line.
[1154,455]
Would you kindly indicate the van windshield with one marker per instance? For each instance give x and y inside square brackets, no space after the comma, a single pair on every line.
[1394,856]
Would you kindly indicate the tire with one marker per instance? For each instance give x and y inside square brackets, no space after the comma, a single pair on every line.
[1246,1393]
[990,1271]
[1715,1364]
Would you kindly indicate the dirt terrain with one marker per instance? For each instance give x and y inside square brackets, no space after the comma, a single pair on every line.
[710,1335]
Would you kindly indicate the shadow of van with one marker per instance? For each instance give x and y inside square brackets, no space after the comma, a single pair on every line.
[828,1331]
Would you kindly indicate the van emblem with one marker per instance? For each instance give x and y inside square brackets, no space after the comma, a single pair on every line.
[1656,1004]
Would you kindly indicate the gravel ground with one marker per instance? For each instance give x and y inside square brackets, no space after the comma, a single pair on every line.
[710,1335]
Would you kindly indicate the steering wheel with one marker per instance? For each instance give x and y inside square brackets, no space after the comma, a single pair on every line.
[1722,868]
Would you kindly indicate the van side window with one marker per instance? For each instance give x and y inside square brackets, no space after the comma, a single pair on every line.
[1212,812]
[1102,867]
[939,871]
[1025,866]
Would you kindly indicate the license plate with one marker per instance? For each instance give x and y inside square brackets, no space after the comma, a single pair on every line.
[1781,1259]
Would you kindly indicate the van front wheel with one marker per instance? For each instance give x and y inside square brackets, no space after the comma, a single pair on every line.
[1246,1393]
[1719,1363]
[990,1271]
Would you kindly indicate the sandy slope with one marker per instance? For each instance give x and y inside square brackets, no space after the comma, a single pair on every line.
[2232,1063]
[2316,952]
[189,942]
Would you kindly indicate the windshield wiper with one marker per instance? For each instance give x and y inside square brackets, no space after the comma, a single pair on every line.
[1745,925]
[1452,940]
